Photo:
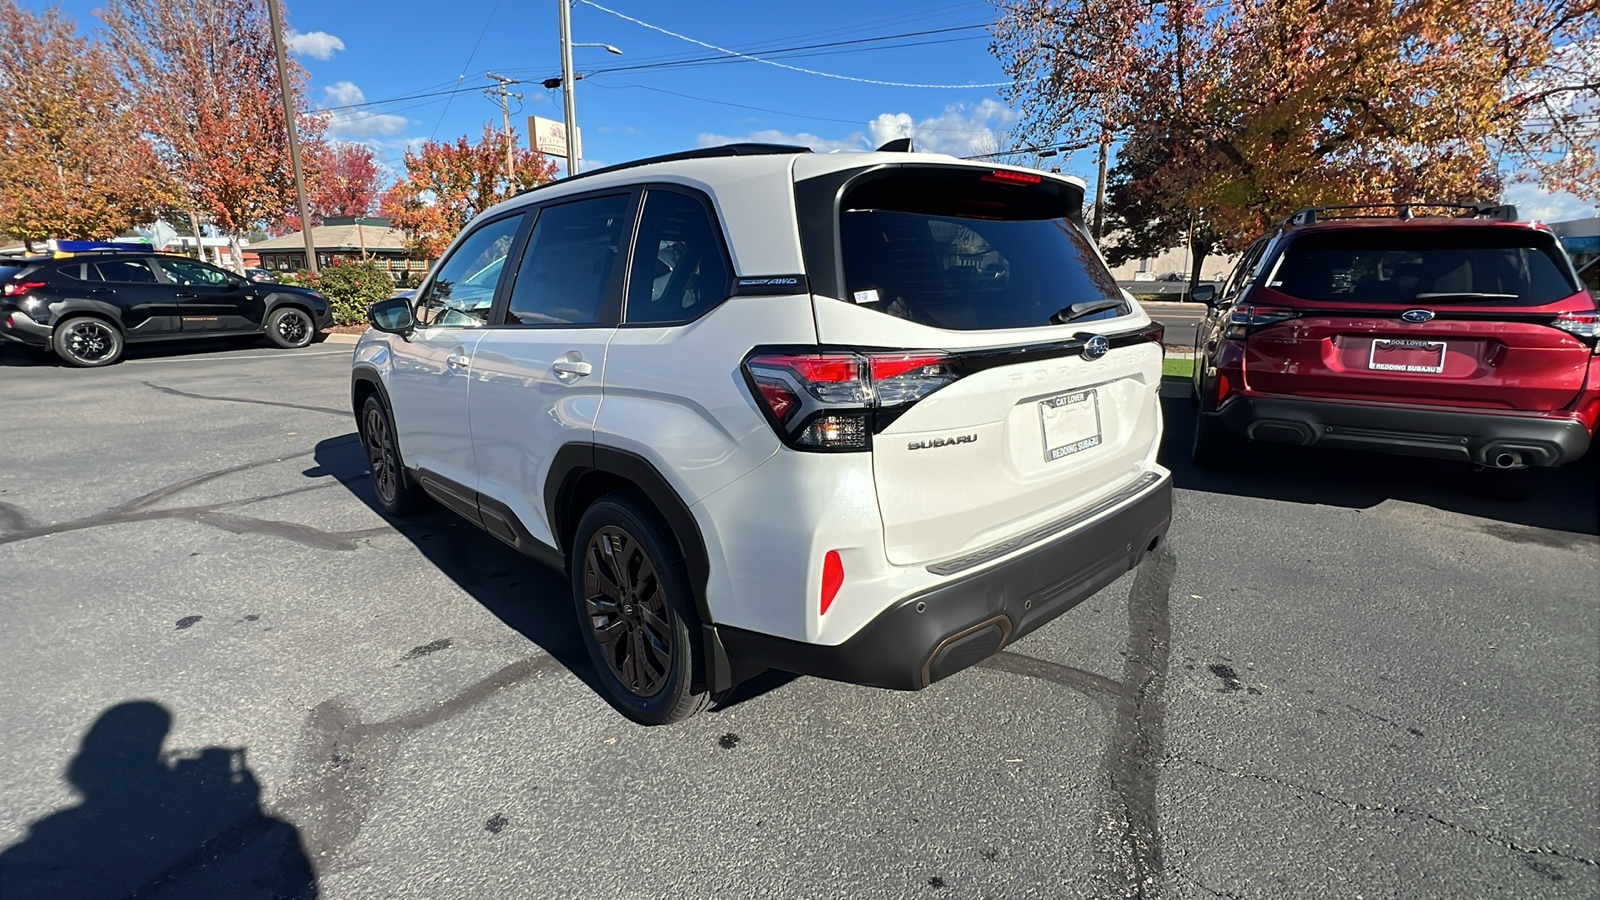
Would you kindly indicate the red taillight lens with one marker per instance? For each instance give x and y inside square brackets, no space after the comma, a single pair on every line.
[825,401]
[832,578]
[1581,324]
[18,288]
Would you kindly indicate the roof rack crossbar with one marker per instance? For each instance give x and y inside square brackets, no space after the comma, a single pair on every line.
[743,149]
[1312,214]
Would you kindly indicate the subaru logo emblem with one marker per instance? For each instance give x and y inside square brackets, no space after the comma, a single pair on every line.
[1096,347]
[1417,316]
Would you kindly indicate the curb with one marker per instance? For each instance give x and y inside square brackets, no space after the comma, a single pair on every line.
[340,338]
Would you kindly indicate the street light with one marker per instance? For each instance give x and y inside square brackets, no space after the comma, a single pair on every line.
[569,103]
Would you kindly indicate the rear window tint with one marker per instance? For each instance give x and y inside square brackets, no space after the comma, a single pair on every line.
[953,250]
[1404,266]
[9,272]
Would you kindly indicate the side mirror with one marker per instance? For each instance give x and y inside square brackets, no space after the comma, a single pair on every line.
[234,284]
[392,316]
[1205,293]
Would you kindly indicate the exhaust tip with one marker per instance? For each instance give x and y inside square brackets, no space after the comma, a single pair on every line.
[1508,461]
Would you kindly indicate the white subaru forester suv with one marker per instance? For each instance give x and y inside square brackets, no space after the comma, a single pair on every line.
[870,417]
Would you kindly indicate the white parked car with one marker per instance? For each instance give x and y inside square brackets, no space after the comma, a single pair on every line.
[870,417]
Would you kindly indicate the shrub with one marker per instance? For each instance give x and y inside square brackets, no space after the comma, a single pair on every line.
[350,286]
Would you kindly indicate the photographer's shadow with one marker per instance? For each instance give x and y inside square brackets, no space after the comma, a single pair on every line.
[157,826]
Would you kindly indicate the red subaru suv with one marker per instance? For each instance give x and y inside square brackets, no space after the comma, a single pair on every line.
[1462,335]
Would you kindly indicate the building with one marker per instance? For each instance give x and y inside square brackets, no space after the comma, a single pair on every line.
[346,237]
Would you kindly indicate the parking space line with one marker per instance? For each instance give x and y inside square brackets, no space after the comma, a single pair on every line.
[131,362]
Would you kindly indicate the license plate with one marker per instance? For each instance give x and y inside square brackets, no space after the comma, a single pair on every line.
[1071,423]
[1398,355]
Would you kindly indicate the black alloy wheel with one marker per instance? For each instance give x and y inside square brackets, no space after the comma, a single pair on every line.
[396,495]
[632,599]
[87,342]
[290,328]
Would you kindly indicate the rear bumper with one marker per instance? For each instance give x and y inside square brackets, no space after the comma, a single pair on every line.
[940,631]
[1470,437]
[18,328]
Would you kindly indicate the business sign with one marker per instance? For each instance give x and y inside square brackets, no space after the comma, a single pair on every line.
[549,136]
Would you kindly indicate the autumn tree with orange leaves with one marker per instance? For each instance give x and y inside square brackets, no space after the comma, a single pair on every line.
[206,81]
[1241,111]
[446,184]
[73,159]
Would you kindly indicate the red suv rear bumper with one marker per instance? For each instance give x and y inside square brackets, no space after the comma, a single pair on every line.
[1482,438]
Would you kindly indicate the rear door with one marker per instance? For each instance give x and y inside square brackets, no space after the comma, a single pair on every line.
[148,306]
[1438,315]
[1053,405]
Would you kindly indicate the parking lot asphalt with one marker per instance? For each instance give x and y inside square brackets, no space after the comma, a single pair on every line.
[224,674]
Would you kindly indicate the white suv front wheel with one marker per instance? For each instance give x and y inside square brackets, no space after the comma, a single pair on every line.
[634,611]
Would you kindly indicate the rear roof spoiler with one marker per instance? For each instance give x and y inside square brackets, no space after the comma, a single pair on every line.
[1402,211]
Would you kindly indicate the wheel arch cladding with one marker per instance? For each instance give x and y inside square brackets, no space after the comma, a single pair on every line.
[581,472]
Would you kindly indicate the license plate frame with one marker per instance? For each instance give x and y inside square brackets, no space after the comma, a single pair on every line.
[1394,347]
[1070,423]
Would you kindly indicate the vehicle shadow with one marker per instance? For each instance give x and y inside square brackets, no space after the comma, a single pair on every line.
[157,824]
[528,597]
[1566,501]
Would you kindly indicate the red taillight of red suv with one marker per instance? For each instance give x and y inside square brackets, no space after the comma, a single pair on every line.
[1247,318]
[1583,325]
[18,288]
[829,401]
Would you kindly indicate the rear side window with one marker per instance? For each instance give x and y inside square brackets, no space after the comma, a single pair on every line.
[679,268]
[1430,266]
[961,249]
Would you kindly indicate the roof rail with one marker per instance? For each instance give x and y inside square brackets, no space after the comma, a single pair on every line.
[746,149]
[1404,211]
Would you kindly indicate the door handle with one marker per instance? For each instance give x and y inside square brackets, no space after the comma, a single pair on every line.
[184,294]
[572,364]
[457,362]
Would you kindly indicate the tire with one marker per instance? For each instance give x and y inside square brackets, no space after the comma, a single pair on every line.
[1511,485]
[641,632]
[87,342]
[396,493]
[1214,446]
[290,327]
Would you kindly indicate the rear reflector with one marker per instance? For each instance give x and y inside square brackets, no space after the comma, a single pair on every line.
[832,578]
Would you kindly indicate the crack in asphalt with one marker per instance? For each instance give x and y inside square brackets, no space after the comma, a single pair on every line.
[211,514]
[344,759]
[1135,747]
[343,413]
[1357,806]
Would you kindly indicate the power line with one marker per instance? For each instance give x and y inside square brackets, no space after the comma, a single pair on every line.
[752,58]
[463,75]
[776,112]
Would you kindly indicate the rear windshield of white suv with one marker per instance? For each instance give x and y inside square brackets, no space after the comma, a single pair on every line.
[963,249]
[1404,266]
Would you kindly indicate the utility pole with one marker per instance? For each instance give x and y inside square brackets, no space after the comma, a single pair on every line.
[1100,185]
[294,137]
[505,112]
[569,103]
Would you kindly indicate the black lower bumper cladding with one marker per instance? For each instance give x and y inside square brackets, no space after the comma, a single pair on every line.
[1484,439]
[941,631]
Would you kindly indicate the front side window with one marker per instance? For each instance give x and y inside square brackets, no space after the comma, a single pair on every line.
[188,272]
[128,271]
[568,264]
[1428,266]
[679,268]
[462,291]
[967,250]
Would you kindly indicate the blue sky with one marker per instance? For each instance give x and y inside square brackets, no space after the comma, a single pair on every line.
[363,52]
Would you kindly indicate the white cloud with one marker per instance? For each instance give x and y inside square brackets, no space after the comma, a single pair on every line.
[961,130]
[315,44]
[856,141]
[1535,204]
[355,123]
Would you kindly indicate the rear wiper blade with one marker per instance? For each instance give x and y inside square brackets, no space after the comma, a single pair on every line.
[1464,295]
[1079,310]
